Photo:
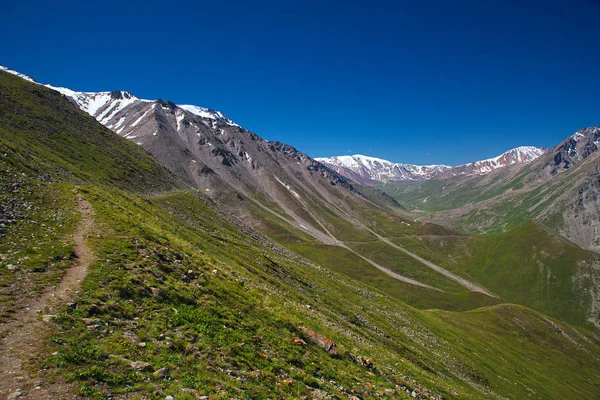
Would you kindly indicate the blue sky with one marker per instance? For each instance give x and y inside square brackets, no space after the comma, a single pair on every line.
[433,81]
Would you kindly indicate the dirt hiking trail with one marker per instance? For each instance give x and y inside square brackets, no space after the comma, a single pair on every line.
[22,338]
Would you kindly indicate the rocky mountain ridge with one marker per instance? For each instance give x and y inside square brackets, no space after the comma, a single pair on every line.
[372,171]
[574,149]
[105,105]
[230,164]
[561,189]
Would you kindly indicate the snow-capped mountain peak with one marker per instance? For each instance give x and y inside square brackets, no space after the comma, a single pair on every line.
[517,155]
[101,105]
[372,170]
[20,75]
[105,106]
[358,160]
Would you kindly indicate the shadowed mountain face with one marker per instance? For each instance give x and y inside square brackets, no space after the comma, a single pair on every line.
[573,150]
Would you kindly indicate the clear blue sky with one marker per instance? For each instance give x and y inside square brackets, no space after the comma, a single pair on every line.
[437,81]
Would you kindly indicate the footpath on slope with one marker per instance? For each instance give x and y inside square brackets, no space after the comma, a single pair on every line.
[22,338]
[462,281]
[329,239]
[391,273]
[467,284]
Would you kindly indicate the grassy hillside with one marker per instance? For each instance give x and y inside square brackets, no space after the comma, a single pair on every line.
[213,311]
[567,204]
[225,312]
[347,263]
[40,127]
[356,240]
[529,265]
[452,193]
[378,196]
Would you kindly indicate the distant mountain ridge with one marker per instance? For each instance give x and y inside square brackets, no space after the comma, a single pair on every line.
[372,171]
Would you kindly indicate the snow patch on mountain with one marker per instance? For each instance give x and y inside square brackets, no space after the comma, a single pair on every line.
[369,170]
[208,113]
[516,155]
[20,75]
[288,187]
[141,117]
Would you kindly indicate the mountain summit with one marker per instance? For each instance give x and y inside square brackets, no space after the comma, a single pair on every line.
[371,170]
[108,107]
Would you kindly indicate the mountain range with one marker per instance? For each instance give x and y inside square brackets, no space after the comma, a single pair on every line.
[228,266]
[559,189]
[237,168]
[371,170]
[143,120]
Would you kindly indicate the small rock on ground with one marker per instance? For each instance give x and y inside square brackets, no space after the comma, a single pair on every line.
[15,395]
[140,365]
[47,317]
[161,373]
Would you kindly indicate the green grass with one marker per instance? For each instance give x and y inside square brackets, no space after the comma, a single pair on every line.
[405,265]
[341,260]
[345,262]
[209,330]
[528,265]
[448,194]
[38,215]
[378,197]
[536,341]
[223,313]
[218,327]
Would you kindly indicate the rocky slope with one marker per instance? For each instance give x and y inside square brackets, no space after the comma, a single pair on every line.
[573,150]
[208,151]
[372,171]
